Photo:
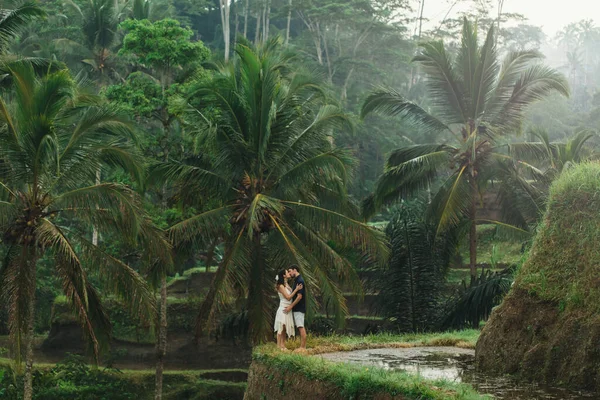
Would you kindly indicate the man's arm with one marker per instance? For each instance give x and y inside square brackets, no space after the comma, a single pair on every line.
[291,306]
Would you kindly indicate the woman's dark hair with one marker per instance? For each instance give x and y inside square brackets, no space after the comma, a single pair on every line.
[281,277]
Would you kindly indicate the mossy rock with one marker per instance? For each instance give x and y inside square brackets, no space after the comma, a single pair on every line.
[548,326]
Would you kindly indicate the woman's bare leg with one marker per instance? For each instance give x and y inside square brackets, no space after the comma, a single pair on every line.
[283,335]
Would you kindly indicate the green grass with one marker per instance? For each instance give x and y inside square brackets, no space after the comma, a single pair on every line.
[188,273]
[363,317]
[356,381]
[328,344]
[493,247]
[564,264]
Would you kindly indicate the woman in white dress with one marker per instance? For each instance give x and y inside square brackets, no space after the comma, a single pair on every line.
[284,322]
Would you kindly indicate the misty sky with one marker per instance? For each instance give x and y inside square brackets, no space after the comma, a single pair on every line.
[552,15]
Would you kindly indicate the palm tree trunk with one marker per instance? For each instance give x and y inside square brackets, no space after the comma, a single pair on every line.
[95,229]
[210,255]
[246,10]
[257,32]
[161,345]
[29,335]
[267,20]
[473,232]
[289,23]
[256,296]
[237,23]
[225,20]
[207,305]
[411,276]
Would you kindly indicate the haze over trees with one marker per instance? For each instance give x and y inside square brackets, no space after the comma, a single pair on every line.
[140,140]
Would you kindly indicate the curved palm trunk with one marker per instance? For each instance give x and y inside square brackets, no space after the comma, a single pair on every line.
[207,304]
[473,232]
[161,345]
[256,297]
[29,335]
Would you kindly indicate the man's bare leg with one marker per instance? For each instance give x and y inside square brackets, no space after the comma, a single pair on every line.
[302,337]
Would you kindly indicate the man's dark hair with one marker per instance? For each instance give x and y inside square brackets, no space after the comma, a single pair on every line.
[294,266]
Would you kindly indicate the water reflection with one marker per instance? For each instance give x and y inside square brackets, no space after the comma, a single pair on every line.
[454,364]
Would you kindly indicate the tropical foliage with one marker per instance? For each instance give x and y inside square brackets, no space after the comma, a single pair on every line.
[258,163]
[475,100]
[412,286]
[55,136]
[271,183]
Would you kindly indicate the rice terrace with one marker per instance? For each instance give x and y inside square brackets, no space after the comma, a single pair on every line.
[299,199]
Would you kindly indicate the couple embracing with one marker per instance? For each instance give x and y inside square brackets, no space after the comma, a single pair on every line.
[292,306]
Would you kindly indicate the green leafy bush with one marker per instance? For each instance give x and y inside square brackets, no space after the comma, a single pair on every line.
[71,379]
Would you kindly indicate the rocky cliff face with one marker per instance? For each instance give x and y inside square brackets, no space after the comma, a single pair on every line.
[548,327]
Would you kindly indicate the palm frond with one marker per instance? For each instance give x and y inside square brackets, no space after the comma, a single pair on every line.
[484,77]
[446,88]
[82,297]
[389,102]
[201,226]
[235,256]
[119,279]
[513,65]
[535,83]
[452,202]
[340,228]
[410,169]
[12,21]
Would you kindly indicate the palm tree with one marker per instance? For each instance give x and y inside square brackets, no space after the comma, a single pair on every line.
[551,158]
[271,183]
[12,21]
[53,140]
[99,24]
[475,99]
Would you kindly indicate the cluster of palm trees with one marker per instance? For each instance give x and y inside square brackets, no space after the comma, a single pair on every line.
[267,181]
[476,103]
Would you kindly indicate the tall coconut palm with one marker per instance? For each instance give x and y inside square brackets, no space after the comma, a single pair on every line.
[474,98]
[99,20]
[53,141]
[272,184]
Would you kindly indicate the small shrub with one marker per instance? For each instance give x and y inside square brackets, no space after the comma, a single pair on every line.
[322,326]
[71,379]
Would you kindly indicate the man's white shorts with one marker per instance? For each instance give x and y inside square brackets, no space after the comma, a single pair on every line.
[299,319]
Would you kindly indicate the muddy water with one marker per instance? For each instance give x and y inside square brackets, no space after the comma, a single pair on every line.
[456,365]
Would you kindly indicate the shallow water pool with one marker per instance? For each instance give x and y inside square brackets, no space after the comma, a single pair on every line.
[456,365]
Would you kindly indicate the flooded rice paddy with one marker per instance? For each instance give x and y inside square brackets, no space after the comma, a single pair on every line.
[456,365]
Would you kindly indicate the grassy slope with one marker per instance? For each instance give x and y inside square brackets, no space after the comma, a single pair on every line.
[548,327]
[327,344]
[354,381]
[565,267]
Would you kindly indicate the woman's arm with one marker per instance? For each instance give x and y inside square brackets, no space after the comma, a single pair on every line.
[281,289]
